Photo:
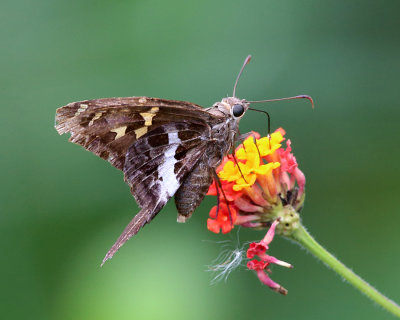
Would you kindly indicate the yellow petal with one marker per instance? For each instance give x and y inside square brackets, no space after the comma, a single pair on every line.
[240,183]
[277,137]
[240,154]
[249,148]
[266,168]
[244,168]
[253,160]
[230,172]
[268,145]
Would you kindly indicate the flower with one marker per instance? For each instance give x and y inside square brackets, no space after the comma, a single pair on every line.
[222,220]
[245,173]
[261,266]
[259,186]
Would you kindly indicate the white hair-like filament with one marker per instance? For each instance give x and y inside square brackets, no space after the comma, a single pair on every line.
[230,258]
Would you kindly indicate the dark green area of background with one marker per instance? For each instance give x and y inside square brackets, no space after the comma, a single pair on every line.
[62,207]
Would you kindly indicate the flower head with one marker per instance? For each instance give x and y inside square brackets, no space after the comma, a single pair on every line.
[261,185]
[263,179]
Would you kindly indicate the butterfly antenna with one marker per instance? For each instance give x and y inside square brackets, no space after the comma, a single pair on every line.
[246,61]
[289,98]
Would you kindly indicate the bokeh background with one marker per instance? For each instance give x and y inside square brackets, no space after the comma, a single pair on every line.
[62,207]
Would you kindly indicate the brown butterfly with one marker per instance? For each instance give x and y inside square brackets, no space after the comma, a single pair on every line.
[164,147]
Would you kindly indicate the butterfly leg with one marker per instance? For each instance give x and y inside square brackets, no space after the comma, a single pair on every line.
[219,185]
[237,164]
[241,137]
[218,195]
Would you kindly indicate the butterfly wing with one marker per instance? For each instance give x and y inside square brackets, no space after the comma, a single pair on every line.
[155,167]
[155,142]
[108,127]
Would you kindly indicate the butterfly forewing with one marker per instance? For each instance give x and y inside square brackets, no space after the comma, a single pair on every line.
[108,127]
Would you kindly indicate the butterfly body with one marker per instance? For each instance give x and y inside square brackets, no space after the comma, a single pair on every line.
[164,147]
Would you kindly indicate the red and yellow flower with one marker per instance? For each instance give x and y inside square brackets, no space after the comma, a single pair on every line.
[261,185]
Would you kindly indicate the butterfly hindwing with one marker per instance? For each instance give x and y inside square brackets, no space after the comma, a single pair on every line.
[156,165]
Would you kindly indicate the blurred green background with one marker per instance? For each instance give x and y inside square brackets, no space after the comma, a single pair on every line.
[62,207]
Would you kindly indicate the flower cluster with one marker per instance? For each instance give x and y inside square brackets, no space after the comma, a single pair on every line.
[260,185]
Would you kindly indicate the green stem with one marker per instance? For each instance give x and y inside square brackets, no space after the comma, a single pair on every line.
[307,241]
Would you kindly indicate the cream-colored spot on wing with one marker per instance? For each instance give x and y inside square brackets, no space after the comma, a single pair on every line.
[82,108]
[148,116]
[119,131]
[140,132]
[148,121]
[96,116]
[142,100]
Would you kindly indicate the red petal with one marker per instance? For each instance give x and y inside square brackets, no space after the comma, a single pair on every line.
[212,190]
[213,212]
[213,225]
[223,220]
[281,130]
[227,227]
[256,249]
[256,265]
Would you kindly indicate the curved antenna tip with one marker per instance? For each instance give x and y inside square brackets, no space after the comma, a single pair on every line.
[247,60]
[309,99]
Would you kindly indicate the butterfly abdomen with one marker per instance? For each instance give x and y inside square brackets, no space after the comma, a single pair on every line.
[193,189]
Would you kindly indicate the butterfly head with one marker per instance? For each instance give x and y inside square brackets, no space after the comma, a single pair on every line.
[232,107]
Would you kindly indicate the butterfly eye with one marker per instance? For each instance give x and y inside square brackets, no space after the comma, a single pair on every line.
[237,110]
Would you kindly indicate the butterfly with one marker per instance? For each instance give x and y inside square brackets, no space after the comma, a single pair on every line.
[165,148]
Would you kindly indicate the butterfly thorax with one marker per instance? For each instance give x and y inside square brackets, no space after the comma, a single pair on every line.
[225,131]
